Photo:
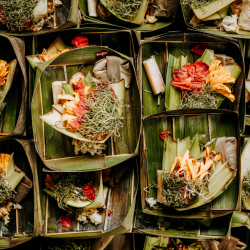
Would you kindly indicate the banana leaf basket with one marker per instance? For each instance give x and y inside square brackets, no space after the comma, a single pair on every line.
[25,224]
[113,38]
[15,90]
[208,26]
[64,16]
[179,227]
[178,44]
[120,199]
[54,148]
[136,23]
[161,242]
[181,124]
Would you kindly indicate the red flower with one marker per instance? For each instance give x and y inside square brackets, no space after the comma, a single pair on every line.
[65,220]
[199,49]
[89,192]
[80,41]
[163,134]
[101,54]
[109,212]
[190,77]
[28,23]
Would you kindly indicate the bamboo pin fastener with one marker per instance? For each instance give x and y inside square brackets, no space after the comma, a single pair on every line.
[154,77]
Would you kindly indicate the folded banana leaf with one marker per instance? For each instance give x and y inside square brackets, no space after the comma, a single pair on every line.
[137,22]
[217,228]
[241,219]
[208,26]
[14,91]
[57,45]
[120,201]
[26,223]
[172,48]
[245,167]
[65,16]
[218,181]
[181,124]
[54,148]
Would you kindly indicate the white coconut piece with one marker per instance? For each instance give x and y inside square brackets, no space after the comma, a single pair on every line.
[40,11]
[95,218]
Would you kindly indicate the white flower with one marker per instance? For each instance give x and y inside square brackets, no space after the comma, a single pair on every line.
[151,201]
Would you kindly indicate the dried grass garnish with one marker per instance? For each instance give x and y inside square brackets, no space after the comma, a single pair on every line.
[206,98]
[14,13]
[71,245]
[127,9]
[246,186]
[102,116]
[178,191]
[68,186]
[197,3]
[6,190]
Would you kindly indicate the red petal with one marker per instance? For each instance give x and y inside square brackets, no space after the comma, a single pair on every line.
[163,134]
[101,54]
[109,212]
[65,220]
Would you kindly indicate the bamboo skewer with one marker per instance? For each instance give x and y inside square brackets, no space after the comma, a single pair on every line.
[46,214]
[108,207]
[17,231]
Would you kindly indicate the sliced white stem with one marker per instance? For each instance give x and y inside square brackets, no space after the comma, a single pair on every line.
[57,90]
[92,8]
[154,76]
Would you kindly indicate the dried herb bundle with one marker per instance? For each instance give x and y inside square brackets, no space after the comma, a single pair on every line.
[127,9]
[71,245]
[102,116]
[68,185]
[14,13]
[178,191]
[246,185]
[197,3]
[206,98]
[6,191]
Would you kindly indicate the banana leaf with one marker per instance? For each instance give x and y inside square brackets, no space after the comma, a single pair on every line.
[54,148]
[66,17]
[26,222]
[57,45]
[209,27]
[244,168]
[192,229]
[120,200]
[14,91]
[168,50]
[240,219]
[136,23]
[96,203]
[181,124]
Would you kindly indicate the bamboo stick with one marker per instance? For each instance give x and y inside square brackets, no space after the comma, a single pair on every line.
[17,231]
[46,214]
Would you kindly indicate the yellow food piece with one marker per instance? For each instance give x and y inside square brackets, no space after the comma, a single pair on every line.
[196,169]
[4,70]
[45,57]
[67,118]
[217,78]
[69,106]
[4,163]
